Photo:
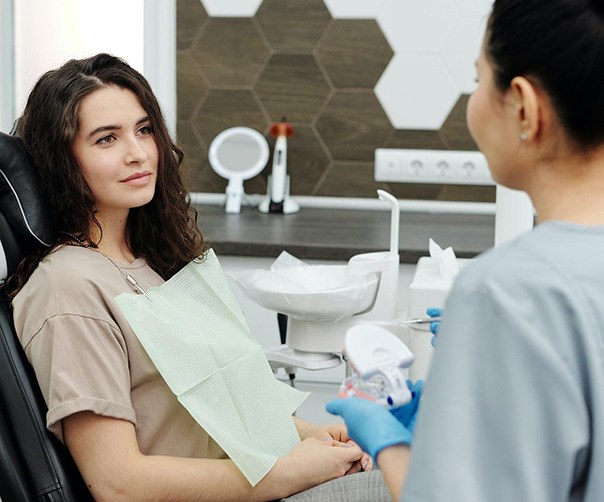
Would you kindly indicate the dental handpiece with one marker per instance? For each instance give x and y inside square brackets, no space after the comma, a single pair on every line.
[421,320]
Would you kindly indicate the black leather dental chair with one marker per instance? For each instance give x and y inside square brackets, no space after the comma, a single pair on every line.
[34,465]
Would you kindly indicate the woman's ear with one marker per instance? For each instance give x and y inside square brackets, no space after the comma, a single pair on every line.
[531,108]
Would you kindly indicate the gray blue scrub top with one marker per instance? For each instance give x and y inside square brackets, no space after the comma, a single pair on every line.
[513,408]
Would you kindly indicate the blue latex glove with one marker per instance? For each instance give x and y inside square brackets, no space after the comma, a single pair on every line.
[434,326]
[407,414]
[372,426]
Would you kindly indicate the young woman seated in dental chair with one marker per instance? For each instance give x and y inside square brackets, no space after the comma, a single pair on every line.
[111,175]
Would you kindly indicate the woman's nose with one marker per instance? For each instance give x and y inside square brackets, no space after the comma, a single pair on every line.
[135,153]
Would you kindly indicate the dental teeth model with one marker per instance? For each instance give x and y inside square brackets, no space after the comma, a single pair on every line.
[378,360]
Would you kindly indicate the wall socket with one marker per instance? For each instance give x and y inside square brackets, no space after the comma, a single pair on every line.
[432,166]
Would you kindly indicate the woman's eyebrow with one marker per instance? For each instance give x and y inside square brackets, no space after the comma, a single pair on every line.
[110,127]
[103,129]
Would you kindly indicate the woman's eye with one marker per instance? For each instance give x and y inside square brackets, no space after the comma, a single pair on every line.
[106,140]
[145,130]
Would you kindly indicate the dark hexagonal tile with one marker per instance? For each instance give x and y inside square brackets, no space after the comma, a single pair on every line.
[429,191]
[195,154]
[306,160]
[469,193]
[231,51]
[293,25]
[211,119]
[186,136]
[228,108]
[190,17]
[191,87]
[417,139]
[455,129]
[357,177]
[354,53]
[353,125]
[414,191]
[292,86]
[202,178]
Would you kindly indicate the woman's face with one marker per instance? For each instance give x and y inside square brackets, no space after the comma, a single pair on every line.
[491,119]
[116,151]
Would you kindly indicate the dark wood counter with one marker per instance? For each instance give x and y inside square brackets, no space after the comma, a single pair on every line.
[338,234]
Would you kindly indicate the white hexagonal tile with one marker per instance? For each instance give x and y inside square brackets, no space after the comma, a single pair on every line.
[462,49]
[353,9]
[419,26]
[231,8]
[480,8]
[417,91]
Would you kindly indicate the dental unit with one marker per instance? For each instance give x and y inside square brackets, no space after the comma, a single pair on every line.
[326,323]
[362,297]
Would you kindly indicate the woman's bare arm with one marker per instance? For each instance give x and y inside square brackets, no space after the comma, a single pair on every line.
[106,452]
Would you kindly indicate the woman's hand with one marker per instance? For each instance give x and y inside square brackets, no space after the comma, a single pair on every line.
[339,434]
[314,461]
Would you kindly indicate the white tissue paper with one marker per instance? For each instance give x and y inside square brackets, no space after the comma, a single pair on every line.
[320,293]
[196,335]
[445,260]
[431,284]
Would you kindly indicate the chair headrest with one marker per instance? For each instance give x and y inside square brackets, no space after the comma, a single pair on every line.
[21,203]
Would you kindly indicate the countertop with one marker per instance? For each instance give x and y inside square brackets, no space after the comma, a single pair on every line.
[339,234]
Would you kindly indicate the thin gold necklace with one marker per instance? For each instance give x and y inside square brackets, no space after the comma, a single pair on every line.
[129,279]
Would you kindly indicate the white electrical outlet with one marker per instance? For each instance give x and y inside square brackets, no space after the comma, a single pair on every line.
[432,166]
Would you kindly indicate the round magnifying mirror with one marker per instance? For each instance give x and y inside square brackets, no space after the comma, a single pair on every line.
[237,154]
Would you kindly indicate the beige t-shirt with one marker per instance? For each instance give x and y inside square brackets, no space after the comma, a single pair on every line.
[87,358]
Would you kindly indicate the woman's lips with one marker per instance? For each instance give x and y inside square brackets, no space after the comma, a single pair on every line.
[138,179]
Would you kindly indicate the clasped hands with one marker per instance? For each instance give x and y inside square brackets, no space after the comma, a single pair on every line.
[335,435]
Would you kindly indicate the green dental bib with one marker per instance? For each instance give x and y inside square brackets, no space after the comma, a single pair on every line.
[196,335]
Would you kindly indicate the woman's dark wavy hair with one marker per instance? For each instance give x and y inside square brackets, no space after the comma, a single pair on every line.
[560,44]
[164,231]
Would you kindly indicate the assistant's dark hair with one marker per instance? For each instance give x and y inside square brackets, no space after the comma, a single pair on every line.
[164,231]
[560,44]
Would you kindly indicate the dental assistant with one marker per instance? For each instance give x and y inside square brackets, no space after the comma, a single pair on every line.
[513,407]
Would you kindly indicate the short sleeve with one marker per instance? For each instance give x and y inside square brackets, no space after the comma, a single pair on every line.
[82,365]
[502,416]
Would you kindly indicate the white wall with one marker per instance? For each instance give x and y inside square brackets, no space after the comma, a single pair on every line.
[49,33]
[6,66]
[142,32]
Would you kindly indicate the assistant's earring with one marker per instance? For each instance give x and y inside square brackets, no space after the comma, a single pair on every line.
[523,136]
